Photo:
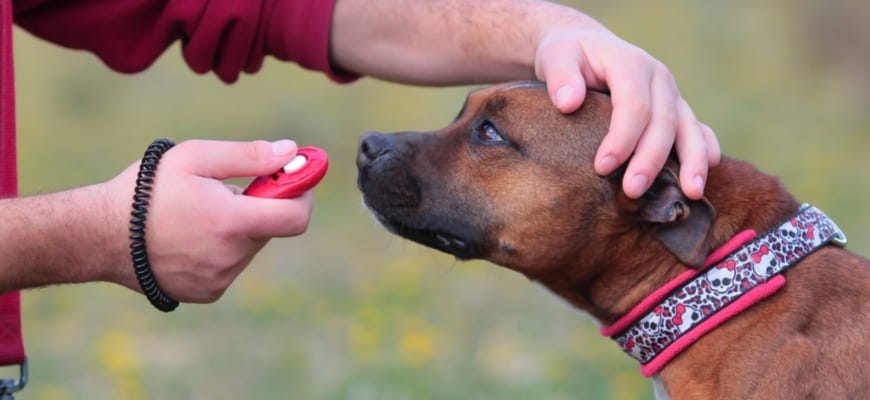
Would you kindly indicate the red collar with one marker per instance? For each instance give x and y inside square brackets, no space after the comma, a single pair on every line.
[735,276]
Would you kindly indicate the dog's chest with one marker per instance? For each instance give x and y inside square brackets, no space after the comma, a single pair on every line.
[659,390]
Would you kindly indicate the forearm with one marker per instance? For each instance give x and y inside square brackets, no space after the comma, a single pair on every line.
[64,237]
[441,42]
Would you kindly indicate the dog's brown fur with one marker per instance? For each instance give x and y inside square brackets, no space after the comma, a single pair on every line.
[533,203]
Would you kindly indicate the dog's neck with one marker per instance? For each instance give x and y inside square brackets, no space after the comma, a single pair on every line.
[621,284]
[745,271]
[607,287]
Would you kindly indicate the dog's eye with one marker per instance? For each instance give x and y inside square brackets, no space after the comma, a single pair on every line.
[487,133]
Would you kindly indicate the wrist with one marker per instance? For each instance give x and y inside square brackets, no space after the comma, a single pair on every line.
[95,236]
[112,232]
[145,181]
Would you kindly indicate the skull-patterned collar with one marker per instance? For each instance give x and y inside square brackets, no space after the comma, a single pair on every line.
[739,275]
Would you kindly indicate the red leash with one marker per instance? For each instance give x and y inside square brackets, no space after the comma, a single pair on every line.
[11,340]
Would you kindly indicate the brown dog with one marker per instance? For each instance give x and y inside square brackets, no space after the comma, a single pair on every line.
[511,181]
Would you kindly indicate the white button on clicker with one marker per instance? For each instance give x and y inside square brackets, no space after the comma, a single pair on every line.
[295,164]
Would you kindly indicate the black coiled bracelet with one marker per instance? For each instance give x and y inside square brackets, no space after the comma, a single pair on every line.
[142,193]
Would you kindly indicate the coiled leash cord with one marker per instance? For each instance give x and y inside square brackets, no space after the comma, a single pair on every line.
[142,194]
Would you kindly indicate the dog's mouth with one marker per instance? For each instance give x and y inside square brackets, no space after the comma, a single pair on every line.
[415,206]
[460,245]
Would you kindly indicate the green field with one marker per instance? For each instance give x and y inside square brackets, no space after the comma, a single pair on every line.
[348,311]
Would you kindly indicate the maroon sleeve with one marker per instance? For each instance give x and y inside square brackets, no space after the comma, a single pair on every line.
[224,36]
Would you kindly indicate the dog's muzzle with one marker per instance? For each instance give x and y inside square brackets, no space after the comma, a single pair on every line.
[383,176]
[394,191]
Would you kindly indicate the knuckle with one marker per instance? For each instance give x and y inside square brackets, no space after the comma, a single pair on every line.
[649,160]
[709,135]
[645,166]
[218,278]
[299,225]
[663,71]
[638,56]
[224,226]
[256,150]
[641,108]
[302,227]
[214,294]
[209,288]
[692,136]
[667,122]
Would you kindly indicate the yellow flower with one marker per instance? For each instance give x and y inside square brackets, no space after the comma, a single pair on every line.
[416,343]
[116,352]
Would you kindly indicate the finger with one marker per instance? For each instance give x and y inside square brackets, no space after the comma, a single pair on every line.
[656,142]
[559,67]
[263,218]
[630,96]
[693,152]
[226,159]
[714,152]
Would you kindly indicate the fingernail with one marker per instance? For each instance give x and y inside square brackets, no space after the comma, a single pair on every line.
[639,182]
[283,147]
[563,95]
[607,164]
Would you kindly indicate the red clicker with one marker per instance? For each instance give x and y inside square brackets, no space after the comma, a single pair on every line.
[300,174]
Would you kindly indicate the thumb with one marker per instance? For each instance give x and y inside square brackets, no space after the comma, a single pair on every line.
[224,159]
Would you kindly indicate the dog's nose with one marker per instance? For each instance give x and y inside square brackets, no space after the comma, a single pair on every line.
[371,146]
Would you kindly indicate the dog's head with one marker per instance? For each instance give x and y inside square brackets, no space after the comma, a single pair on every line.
[511,180]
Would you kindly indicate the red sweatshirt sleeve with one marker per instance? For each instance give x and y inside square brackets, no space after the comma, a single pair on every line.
[224,36]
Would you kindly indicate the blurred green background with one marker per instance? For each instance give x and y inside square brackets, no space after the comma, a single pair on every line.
[348,311]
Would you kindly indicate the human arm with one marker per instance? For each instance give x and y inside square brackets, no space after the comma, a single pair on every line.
[433,42]
[468,43]
[200,232]
[440,42]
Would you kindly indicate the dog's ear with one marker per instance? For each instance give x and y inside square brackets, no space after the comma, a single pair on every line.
[681,224]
